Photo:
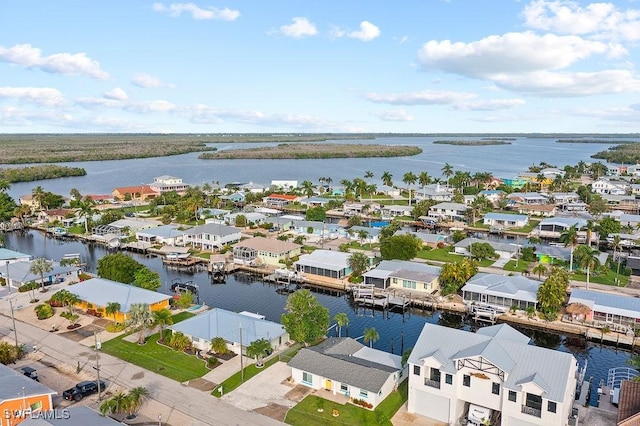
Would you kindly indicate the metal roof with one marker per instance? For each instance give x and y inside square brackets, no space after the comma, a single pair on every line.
[566,222]
[79,415]
[326,259]
[506,247]
[12,384]
[403,268]
[6,254]
[212,229]
[627,306]
[101,292]
[164,231]
[20,271]
[507,217]
[272,245]
[514,287]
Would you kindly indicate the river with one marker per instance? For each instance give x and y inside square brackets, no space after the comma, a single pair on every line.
[504,161]
[397,331]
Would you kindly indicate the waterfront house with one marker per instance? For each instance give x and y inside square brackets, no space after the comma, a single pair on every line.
[202,328]
[19,273]
[279,200]
[166,183]
[435,192]
[21,397]
[552,254]
[251,218]
[504,250]
[101,198]
[627,203]
[211,236]
[505,221]
[561,198]
[163,235]
[99,292]
[389,191]
[607,186]
[309,228]
[528,198]
[324,263]
[514,183]
[66,217]
[538,210]
[364,234]
[253,188]
[284,185]
[138,192]
[390,211]
[607,308]
[7,257]
[235,197]
[492,376]
[264,251]
[28,200]
[493,195]
[448,211]
[314,201]
[501,292]
[553,227]
[426,238]
[343,366]
[209,213]
[404,275]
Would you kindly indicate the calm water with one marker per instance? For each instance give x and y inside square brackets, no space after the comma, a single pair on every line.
[396,331]
[503,161]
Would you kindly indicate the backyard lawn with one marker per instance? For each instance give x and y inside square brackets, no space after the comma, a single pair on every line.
[446,255]
[306,412]
[159,359]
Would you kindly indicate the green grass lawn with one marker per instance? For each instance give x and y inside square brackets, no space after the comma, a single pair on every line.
[251,370]
[365,246]
[608,279]
[306,412]
[446,255]
[514,266]
[159,359]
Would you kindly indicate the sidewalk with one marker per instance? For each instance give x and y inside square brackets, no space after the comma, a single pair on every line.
[178,405]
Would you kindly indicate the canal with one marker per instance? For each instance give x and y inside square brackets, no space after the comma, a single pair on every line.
[397,331]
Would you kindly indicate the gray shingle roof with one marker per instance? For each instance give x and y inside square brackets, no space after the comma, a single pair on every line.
[344,360]
[502,347]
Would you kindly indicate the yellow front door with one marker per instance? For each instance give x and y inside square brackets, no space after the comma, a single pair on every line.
[327,384]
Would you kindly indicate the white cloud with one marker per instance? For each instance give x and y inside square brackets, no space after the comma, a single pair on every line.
[197,13]
[393,115]
[206,114]
[544,83]
[301,27]
[603,20]
[511,53]
[490,105]
[61,63]
[160,106]
[39,95]
[367,32]
[116,94]
[148,81]
[426,97]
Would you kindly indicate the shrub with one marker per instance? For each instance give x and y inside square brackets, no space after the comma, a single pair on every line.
[44,311]
[115,327]
[212,362]
[28,286]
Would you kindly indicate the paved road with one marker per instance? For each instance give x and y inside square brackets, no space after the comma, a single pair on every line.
[200,406]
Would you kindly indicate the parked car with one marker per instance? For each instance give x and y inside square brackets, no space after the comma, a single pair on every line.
[82,389]
[30,373]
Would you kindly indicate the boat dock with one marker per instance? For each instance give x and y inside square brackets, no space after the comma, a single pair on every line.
[370,296]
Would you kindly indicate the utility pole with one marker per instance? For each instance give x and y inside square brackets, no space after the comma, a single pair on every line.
[13,319]
[6,280]
[241,362]
[97,345]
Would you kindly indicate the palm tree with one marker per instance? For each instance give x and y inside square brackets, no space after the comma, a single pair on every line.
[135,398]
[616,244]
[258,349]
[588,259]
[37,195]
[141,318]
[409,179]
[162,318]
[368,174]
[5,185]
[219,345]
[387,179]
[371,336]
[539,269]
[342,319]
[70,300]
[447,171]
[41,266]
[590,228]
[112,309]
[424,179]
[570,239]
[86,211]
[307,187]
[115,405]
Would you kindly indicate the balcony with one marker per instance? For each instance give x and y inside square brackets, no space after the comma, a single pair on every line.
[531,411]
[432,383]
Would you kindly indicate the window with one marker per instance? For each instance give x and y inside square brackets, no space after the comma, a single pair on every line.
[551,407]
[448,379]
[435,375]
[466,380]
[512,396]
[307,378]
[344,388]
[409,284]
[495,388]
[416,370]
[363,393]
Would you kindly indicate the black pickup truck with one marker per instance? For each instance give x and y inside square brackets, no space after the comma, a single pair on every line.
[82,389]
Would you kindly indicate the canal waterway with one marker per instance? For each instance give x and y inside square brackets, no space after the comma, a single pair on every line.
[241,293]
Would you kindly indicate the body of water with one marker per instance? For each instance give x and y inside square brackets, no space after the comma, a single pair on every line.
[397,331]
[504,161]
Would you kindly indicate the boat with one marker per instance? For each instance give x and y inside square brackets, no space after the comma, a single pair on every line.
[177,286]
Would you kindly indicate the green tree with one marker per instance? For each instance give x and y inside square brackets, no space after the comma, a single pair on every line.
[409,179]
[7,207]
[41,266]
[241,221]
[162,318]
[608,226]
[371,336]
[587,258]
[258,349]
[135,398]
[458,236]
[454,275]
[358,262]
[447,171]
[482,251]
[552,293]
[147,279]
[140,319]
[219,346]
[118,267]
[424,179]
[387,179]
[43,311]
[539,269]
[316,214]
[306,320]
[342,320]
[307,187]
[569,238]
[115,405]
[112,309]
[402,247]
[87,209]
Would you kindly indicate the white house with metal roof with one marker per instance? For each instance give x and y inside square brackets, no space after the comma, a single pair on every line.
[434,192]
[165,234]
[19,273]
[217,322]
[343,366]
[364,234]
[324,263]
[448,211]
[211,236]
[608,308]
[504,250]
[505,221]
[493,375]
[404,275]
[553,227]
[250,217]
[501,292]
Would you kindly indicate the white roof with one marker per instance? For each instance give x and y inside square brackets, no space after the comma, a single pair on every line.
[627,306]
[101,292]
[514,287]
[326,259]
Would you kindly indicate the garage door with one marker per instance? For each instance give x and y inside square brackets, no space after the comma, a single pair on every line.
[432,406]
[518,422]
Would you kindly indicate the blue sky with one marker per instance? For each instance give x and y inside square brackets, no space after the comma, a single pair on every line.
[319,66]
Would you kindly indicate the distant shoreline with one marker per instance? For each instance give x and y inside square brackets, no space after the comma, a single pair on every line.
[481,142]
[314,151]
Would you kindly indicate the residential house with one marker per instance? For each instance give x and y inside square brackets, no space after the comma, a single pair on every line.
[22,397]
[19,273]
[492,376]
[324,263]
[101,198]
[254,188]
[493,195]
[540,210]
[364,234]
[285,185]
[264,251]
[28,200]
[310,228]
[138,192]
[627,203]
[553,227]
[629,220]
[343,366]
[607,308]
[635,189]
[434,192]
[504,250]
[607,186]
[166,183]
[314,201]
[202,328]
[390,211]
[629,403]
[208,213]
[528,198]
[10,256]
[66,217]
[389,191]
[250,217]
[505,221]
[99,292]
[165,235]
[279,200]
[430,240]
[235,197]
[212,236]
[515,183]
[448,211]
[561,198]
[500,292]
[404,275]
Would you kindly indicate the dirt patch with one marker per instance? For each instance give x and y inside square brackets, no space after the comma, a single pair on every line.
[102,322]
[73,335]
[202,384]
[298,393]
[275,411]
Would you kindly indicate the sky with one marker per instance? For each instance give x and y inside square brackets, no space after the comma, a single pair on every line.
[258,66]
